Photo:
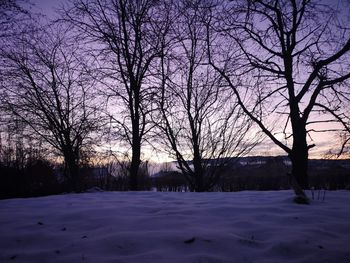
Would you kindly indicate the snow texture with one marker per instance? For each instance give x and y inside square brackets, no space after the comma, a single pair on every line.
[247,226]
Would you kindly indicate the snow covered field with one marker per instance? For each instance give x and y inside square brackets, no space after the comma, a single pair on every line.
[245,226]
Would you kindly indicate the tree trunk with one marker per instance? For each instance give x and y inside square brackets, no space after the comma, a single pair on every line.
[299,158]
[299,155]
[197,163]
[134,107]
[134,166]
[199,183]
[299,151]
[73,175]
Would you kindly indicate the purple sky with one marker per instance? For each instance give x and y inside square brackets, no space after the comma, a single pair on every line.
[47,7]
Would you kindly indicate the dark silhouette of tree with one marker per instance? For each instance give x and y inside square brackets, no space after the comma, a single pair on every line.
[297,62]
[125,38]
[343,117]
[12,16]
[203,127]
[44,85]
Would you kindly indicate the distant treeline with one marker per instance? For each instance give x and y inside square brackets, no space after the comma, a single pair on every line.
[39,177]
[265,173]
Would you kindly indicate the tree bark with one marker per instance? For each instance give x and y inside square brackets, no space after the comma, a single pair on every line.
[299,158]
[135,163]
[72,170]
[198,174]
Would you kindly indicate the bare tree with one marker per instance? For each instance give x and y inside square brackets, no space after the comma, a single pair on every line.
[343,118]
[298,62]
[14,21]
[125,37]
[202,124]
[12,15]
[44,85]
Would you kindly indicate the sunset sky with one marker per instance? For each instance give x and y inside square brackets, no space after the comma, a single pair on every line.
[324,140]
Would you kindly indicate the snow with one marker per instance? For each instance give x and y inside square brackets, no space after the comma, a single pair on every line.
[247,226]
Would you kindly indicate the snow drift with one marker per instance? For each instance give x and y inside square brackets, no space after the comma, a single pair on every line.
[245,226]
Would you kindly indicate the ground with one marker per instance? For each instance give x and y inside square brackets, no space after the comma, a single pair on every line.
[248,226]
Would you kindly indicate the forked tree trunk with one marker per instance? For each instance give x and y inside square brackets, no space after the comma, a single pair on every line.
[299,152]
